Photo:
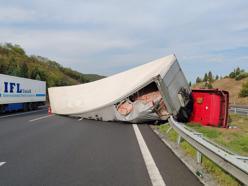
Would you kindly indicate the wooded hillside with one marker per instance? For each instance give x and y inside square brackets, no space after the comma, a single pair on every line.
[236,83]
[14,61]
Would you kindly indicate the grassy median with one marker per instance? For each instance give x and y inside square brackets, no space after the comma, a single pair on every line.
[235,139]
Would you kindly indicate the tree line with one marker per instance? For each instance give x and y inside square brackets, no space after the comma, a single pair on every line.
[208,79]
[237,74]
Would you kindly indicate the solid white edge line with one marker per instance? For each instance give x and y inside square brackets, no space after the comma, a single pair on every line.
[151,167]
[6,116]
[2,163]
[43,117]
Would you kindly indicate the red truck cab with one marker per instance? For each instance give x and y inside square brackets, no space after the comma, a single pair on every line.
[210,107]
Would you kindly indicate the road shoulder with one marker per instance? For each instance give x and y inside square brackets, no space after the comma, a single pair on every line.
[199,172]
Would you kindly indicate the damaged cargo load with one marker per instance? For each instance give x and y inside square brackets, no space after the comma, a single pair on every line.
[149,92]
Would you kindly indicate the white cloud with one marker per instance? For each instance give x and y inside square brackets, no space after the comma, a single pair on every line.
[107,36]
[64,44]
[15,14]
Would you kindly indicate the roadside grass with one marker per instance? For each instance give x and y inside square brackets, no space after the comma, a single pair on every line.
[234,139]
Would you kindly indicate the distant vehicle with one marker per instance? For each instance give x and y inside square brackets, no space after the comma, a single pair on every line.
[21,93]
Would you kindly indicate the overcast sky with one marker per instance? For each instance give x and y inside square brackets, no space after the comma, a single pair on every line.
[107,36]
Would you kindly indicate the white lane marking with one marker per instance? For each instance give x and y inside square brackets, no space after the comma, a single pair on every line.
[22,113]
[2,163]
[43,117]
[151,167]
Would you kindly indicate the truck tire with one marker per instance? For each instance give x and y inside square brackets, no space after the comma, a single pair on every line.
[25,107]
[35,107]
[1,109]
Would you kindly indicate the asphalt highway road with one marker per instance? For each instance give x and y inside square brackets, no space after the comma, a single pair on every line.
[37,149]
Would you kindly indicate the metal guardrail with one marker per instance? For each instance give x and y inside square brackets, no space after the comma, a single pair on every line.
[230,162]
[239,110]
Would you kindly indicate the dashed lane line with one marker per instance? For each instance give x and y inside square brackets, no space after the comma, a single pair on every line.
[24,113]
[43,117]
[2,163]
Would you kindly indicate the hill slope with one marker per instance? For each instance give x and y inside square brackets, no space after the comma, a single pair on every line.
[231,85]
[14,61]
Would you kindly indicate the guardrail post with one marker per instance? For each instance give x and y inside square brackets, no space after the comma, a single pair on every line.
[198,153]
[178,139]
[168,130]
[235,110]
[198,157]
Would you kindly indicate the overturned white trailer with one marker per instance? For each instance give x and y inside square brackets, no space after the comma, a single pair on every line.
[148,92]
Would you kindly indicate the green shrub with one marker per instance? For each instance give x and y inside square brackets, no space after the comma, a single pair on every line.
[244,90]
[241,76]
[232,75]
[238,74]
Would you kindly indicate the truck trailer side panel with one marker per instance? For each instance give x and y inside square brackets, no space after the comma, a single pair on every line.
[20,93]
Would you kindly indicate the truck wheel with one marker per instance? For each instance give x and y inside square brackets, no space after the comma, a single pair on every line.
[25,107]
[1,109]
[30,106]
[34,106]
